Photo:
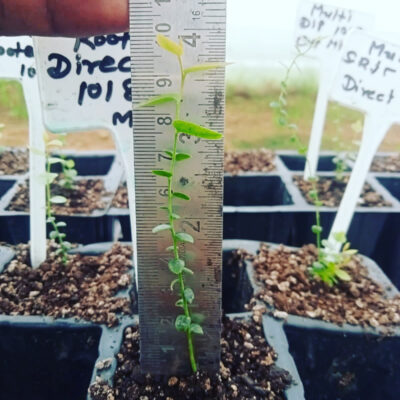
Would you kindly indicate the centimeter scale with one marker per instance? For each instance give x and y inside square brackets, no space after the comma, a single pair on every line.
[201,26]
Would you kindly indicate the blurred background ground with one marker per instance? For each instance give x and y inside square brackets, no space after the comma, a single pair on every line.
[250,121]
[260,38]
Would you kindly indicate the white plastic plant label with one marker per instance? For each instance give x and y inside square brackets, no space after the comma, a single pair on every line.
[321,30]
[17,62]
[85,84]
[368,79]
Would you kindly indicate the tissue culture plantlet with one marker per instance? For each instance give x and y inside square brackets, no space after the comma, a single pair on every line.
[330,261]
[187,321]
[49,178]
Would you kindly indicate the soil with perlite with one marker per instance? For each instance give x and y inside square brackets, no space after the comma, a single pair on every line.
[331,191]
[288,288]
[247,371]
[85,197]
[86,287]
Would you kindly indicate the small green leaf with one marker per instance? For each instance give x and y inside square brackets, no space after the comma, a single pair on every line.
[161,227]
[165,174]
[61,224]
[198,318]
[175,216]
[340,237]
[170,248]
[184,237]
[53,235]
[173,283]
[179,303]
[58,200]
[188,271]
[170,45]
[196,328]
[275,104]
[168,153]
[50,220]
[55,143]
[342,275]
[182,156]
[176,266]
[182,323]
[316,229]
[67,245]
[196,130]
[313,194]
[189,295]
[318,265]
[204,67]
[59,251]
[70,164]
[165,208]
[55,160]
[181,196]
[47,178]
[162,99]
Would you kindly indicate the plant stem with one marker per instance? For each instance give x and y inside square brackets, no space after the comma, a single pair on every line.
[49,212]
[171,222]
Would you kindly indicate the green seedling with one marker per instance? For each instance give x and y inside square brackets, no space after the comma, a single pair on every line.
[330,262]
[49,178]
[186,321]
[329,267]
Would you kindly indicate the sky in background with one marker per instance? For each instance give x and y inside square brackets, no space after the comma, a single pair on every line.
[260,32]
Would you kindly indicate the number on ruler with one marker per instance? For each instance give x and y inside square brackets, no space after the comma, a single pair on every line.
[195,227]
[164,120]
[163,27]
[191,40]
[163,82]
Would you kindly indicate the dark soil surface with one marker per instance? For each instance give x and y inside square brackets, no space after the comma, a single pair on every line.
[84,198]
[289,288]
[262,160]
[14,162]
[86,287]
[386,164]
[120,199]
[247,371]
[330,192]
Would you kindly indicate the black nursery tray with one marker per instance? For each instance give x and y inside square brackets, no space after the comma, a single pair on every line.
[338,362]
[43,359]
[81,228]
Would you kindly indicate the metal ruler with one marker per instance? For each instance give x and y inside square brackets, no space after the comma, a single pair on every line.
[201,25]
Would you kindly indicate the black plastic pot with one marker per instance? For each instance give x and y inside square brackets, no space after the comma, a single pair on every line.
[339,362]
[81,228]
[46,359]
[43,359]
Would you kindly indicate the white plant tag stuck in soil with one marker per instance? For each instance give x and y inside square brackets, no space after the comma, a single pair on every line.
[17,62]
[86,84]
[368,80]
[325,27]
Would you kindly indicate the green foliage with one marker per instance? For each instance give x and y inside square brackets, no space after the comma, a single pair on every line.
[177,266]
[48,178]
[196,130]
[330,260]
[330,264]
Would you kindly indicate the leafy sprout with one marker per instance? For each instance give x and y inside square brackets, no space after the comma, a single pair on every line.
[186,321]
[330,261]
[49,178]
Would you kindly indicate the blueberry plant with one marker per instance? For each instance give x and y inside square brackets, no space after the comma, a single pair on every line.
[49,178]
[330,262]
[185,321]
